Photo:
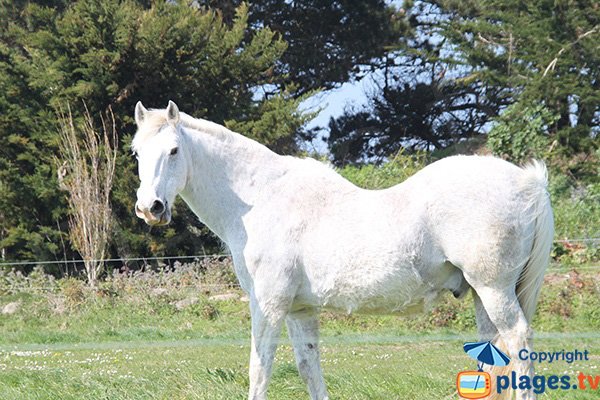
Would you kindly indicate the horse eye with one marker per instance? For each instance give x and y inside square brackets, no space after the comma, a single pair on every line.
[173,151]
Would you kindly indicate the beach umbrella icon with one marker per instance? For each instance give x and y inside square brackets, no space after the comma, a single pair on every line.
[486,353]
[477,385]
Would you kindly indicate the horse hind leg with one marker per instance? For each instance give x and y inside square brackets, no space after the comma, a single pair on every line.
[487,332]
[485,327]
[502,309]
[303,329]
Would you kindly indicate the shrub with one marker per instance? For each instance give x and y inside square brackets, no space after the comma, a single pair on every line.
[394,171]
[74,291]
[520,132]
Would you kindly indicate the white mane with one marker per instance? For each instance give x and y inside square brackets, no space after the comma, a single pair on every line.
[155,120]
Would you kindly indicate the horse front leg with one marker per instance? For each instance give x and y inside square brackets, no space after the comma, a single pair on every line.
[268,313]
[303,329]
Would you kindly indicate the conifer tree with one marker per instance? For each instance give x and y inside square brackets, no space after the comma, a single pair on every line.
[465,62]
[109,53]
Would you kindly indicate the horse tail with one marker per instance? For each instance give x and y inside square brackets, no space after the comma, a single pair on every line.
[539,208]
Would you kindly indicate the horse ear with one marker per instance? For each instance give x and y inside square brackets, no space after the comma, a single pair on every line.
[172,113]
[140,113]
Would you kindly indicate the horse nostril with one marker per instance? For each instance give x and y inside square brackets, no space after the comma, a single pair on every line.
[157,207]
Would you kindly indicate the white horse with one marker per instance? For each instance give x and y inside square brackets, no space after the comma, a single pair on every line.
[303,238]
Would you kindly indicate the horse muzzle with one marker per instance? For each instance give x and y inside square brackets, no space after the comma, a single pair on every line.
[157,214]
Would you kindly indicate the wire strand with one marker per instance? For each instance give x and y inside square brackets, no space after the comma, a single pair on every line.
[12,263]
[202,256]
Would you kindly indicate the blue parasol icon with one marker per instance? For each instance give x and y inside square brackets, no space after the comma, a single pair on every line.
[486,353]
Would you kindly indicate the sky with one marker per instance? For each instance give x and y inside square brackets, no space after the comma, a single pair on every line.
[353,95]
[332,104]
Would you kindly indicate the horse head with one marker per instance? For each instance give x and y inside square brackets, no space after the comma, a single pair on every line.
[162,166]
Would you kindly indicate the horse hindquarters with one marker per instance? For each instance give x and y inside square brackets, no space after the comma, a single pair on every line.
[506,304]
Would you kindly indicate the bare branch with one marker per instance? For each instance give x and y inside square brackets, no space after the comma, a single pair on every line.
[552,63]
[86,170]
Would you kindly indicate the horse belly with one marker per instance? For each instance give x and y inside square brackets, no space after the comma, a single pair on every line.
[402,294]
[396,279]
[371,255]
[368,285]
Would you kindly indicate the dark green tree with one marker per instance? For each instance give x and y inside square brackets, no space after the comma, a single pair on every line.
[466,61]
[109,53]
[329,42]
[420,101]
[543,52]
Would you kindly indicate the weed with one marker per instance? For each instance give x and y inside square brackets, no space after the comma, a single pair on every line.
[74,291]
[221,375]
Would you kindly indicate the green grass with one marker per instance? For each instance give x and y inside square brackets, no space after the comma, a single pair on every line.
[570,302]
[214,369]
[123,342]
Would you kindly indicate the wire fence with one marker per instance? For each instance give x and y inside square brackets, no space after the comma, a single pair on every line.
[344,339]
[582,240]
[111,260]
[197,257]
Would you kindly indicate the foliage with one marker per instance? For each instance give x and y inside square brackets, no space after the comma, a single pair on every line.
[577,217]
[539,52]
[566,296]
[414,116]
[442,71]
[395,171]
[14,282]
[276,120]
[110,54]
[420,101]
[462,62]
[329,43]
[521,133]
[178,300]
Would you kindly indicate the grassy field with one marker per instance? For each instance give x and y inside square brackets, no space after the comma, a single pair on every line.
[148,337]
[423,367]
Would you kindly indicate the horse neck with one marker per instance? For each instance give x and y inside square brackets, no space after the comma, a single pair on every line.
[227,174]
